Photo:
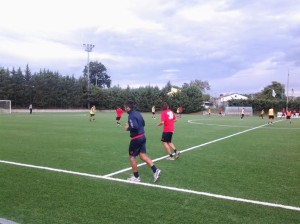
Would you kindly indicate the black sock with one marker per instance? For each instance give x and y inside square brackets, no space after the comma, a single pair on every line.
[171,155]
[136,174]
[175,151]
[153,168]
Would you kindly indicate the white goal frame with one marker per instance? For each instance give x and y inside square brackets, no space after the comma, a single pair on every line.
[236,111]
[5,106]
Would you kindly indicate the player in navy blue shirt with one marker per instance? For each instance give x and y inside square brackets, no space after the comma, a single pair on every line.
[137,146]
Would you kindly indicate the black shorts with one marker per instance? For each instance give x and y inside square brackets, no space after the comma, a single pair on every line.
[137,146]
[288,117]
[167,137]
[271,116]
[118,118]
[92,115]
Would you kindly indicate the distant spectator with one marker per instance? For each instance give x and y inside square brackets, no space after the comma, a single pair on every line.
[262,113]
[30,108]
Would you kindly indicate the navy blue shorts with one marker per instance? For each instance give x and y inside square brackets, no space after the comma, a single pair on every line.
[167,137]
[137,146]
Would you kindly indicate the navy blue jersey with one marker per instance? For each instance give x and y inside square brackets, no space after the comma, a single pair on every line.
[136,123]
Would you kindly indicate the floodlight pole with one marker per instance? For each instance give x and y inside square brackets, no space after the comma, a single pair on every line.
[287,90]
[88,48]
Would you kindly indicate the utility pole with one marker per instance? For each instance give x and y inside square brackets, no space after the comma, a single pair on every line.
[88,48]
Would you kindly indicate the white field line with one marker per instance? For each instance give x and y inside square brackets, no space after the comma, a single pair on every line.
[157,186]
[5,221]
[241,126]
[194,147]
[221,125]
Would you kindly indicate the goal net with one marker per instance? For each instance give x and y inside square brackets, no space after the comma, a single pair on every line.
[237,111]
[5,106]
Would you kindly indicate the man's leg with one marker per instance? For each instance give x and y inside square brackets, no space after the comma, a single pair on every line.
[133,164]
[167,148]
[135,177]
[146,159]
[156,172]
[177,153]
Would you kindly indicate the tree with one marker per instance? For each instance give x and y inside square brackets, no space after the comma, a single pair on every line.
[191,99]
[5,85]
[98,76]
[28,85]
[266,93]
[18,87]
[203,86]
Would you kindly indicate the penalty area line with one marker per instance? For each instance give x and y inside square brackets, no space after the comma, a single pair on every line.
[248,201]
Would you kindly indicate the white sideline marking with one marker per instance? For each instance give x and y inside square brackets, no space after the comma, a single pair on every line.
[157,186]
[240,126]
[5,221]
[221,125]
[194,147]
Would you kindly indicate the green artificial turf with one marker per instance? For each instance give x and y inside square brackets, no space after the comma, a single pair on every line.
[262,164]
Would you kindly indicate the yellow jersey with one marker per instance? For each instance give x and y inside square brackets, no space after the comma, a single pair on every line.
[93,110]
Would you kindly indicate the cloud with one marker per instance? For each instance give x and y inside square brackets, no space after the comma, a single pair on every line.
[238,46]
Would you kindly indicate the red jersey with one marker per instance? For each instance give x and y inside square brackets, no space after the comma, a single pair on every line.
[169,118]
[180,109]
[119,112]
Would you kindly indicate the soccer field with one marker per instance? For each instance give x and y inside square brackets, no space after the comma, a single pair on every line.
[62,168]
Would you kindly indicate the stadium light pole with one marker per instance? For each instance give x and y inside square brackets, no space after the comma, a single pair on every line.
[88,48]
[287,90]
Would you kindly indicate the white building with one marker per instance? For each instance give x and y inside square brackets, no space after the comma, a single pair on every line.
[225,98]
[173,91]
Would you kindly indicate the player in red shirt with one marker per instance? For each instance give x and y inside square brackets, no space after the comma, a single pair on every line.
[288,115]
[119,113]
[168,118]
[179,111]
[220,112]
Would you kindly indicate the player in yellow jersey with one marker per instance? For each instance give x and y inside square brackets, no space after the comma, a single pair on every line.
[93,113]
[243,113]
[153,112]
[271,115]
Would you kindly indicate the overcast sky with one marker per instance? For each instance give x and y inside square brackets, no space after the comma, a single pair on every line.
[238,46]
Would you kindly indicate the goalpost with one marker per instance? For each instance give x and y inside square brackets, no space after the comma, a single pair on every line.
[236,111]
[5,106]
